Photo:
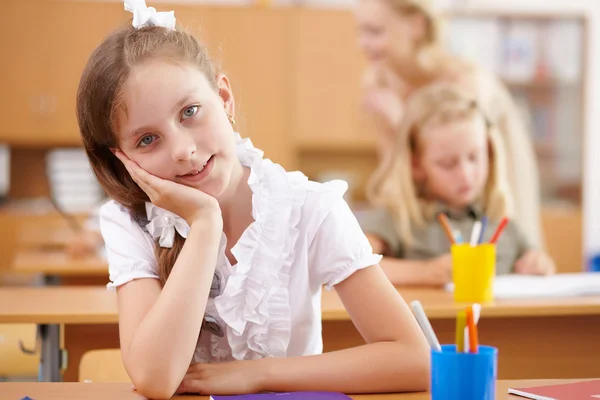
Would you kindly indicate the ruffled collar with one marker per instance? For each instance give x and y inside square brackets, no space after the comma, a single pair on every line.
[255,303]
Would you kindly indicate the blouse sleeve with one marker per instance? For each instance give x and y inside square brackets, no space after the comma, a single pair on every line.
[339,247]
[130,251]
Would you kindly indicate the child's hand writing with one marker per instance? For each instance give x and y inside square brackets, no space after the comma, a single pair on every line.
[438,271]
[189,203]
[535,262]
[235,377]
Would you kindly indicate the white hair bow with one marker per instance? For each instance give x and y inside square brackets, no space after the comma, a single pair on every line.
[163,224]
[147,16]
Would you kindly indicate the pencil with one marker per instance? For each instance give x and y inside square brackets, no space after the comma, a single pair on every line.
[461,322]
[472,327]
[499,230]
[446,225]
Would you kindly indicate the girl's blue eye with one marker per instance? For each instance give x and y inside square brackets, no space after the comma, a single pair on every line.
[146,141]
[189,112]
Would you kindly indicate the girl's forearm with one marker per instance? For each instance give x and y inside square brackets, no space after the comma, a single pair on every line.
[371,368]
[164,342]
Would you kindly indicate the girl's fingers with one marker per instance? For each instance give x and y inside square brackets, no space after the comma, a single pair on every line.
[145,180]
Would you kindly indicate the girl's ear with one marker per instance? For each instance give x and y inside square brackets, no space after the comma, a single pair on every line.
[226,94]
[417,170]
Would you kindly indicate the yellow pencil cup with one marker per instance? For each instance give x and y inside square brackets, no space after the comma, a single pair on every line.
[473,272]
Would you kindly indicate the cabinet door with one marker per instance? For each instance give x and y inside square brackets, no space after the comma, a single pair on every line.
[329,68]
[77,29]
[45,47]
[23,70]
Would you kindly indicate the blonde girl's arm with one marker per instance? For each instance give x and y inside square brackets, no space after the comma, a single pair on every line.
[404,272]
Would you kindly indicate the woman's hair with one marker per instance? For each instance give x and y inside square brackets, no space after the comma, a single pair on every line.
[99,98]
[433,24]
[393,185]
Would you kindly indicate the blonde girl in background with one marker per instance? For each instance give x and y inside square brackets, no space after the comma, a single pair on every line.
[402,41]
[218,255]
[448,158]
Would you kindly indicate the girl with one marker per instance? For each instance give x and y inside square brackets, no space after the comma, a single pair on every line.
[449,159]
[217,254]
[402,42]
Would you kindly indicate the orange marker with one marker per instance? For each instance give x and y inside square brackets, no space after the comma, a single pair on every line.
[499,230]
[473,334]
[446,225]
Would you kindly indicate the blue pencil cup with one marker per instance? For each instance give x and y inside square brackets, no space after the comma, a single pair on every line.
[464,376]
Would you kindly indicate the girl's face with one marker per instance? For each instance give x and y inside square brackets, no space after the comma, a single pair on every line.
[452,161]
[386,36]
[175,126]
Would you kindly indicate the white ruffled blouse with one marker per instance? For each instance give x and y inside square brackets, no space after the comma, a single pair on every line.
[303,236]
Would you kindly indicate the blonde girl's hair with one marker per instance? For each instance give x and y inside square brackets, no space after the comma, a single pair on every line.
[393,186]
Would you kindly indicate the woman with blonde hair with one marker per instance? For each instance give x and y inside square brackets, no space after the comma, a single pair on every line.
[402,42]
[448,158]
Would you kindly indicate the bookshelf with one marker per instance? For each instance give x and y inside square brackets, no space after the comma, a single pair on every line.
[541,58]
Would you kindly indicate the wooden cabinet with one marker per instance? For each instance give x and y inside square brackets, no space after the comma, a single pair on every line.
[24,79]
[327,83]
[46,45]
[77,28]
[46,59]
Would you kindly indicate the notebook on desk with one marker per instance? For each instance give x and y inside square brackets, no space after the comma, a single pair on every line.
[286,396]
[530,286]
[588,390]
[559,285]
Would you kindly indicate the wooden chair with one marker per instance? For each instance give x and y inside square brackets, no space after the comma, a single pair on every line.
[13,362]
[102,366]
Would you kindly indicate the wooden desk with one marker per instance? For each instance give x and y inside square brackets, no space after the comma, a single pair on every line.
[537,338]
[550,338]
[123,391]
[58,263]
[49,307]
[56,267]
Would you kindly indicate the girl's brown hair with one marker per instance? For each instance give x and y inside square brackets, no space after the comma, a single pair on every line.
[99,97]
[393,185]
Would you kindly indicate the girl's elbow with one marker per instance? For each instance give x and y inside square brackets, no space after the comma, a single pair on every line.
[422,374]
[155,387]
[418,369]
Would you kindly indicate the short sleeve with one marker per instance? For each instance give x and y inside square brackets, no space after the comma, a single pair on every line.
[130,251]
[379,222]
[339,247]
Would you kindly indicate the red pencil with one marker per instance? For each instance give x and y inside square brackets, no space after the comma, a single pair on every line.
[499,230]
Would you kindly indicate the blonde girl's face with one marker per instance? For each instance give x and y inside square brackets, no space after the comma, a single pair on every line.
[175,125]
[385,36]
[452,161]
